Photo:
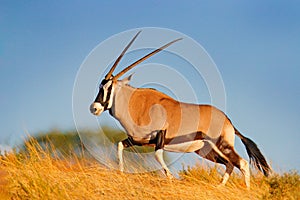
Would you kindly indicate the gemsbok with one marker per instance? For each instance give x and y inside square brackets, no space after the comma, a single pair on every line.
[153,118]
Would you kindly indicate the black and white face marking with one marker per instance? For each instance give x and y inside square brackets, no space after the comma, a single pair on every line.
[104,98]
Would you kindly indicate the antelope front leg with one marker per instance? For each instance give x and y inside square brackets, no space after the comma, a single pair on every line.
[120,156]
[121,145]
[160,141]
[160,159]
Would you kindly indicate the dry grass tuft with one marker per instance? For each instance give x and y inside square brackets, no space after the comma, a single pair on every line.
[40,174]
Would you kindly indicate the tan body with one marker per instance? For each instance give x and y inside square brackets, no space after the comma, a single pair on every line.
[145,111]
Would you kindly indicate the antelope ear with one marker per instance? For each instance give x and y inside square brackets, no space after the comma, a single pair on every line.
[127,79]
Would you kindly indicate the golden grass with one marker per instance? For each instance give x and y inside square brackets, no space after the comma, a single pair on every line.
[39,174]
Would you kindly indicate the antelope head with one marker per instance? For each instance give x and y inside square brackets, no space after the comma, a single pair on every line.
[104,99]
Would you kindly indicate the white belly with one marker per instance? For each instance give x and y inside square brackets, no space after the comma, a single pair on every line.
[185,147]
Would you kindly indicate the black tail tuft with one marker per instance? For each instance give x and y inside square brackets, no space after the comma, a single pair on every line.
[256,157]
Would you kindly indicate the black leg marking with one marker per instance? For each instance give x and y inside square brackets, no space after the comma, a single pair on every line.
[229,151]
[213,156]
[129,142]
[221,160]
[159,140]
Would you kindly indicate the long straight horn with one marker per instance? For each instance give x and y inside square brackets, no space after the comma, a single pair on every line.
[109,74]
[144,58]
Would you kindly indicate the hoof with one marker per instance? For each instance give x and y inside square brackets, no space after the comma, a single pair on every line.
[169,176]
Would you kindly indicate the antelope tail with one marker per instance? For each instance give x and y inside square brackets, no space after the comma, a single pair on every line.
[255,156]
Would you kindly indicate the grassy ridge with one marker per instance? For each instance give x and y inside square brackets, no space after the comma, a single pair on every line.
[40,174]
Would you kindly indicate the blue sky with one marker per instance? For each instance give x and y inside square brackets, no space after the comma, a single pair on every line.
[255,45]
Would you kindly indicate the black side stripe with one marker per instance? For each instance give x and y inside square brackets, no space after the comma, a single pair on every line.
[186,138]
